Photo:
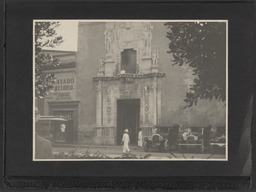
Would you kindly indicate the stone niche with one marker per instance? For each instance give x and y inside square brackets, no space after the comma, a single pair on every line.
[123,36]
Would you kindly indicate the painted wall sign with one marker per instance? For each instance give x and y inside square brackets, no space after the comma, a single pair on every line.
[64,87]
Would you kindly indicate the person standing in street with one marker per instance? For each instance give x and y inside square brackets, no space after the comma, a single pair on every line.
[140,138]
[125,141]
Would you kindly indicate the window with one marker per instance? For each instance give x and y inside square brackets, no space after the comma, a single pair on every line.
[128,61]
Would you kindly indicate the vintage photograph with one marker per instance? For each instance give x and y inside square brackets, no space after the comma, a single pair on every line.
[130,90]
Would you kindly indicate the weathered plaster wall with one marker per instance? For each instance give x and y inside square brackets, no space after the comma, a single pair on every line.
[90,48]
[174,89]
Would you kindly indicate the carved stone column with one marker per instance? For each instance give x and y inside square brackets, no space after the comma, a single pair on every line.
[99,104]
[154,86]
[158,104]
[155,59]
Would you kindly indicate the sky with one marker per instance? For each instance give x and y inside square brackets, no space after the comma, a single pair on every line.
[69,31]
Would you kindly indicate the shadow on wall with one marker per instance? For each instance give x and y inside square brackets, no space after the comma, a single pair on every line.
[204,113]
[208,112]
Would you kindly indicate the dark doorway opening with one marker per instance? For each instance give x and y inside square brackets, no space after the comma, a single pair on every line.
[67,110]
[128,117]
[128,62]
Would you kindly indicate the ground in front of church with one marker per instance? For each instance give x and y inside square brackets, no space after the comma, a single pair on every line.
[139,152]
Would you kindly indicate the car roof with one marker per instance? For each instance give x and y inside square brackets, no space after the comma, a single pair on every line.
[51,118]
[164,125]
[195,125]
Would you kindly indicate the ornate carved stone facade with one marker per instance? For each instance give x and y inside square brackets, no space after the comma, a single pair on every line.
[113,84]
[129,35]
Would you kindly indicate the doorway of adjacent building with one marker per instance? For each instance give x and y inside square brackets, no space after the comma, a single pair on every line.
[68,134]
[128,117]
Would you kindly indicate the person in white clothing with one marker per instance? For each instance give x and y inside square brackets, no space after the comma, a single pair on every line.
[140,138]
[126,140]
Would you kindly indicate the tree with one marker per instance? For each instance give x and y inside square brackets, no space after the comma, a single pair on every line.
[202,47]
[45,36]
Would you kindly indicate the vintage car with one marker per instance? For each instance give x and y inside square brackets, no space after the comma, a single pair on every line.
[49,127]
[218,139]
[163,138]
[194,138]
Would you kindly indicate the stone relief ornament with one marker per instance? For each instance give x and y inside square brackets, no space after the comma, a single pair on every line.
[128,35]
[101,67]
[109,37]
[101,64]
[155,58]
[147,39]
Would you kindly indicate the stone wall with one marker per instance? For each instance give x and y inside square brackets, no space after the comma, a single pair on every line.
[175,85]
[90,48]
[162,99]
[110,90]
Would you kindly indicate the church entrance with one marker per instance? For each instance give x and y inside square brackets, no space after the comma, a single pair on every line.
[128,117]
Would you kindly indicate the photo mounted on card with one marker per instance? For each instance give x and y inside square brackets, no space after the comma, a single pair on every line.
[129,95]
[130,90]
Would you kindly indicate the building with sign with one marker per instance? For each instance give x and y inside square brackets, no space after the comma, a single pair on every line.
[120,78]
[62,101]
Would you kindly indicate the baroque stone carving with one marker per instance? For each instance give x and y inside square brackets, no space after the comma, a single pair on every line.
[101,64]
[128,35]
[109,39]
[101,67]
[147,32]
[135,76]
[155,58]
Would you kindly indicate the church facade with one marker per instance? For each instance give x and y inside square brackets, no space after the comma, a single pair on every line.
[122,77]
[126,80]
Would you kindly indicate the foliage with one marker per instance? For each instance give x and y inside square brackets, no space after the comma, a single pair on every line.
[45,36]
[74,154]
[202,47]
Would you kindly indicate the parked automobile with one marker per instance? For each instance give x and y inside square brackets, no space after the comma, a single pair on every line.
[164,137]
[51,128]
[218,140]
[194,137]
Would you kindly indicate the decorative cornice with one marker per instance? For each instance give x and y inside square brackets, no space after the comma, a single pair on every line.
[59,51]
[129,75]
[61,103]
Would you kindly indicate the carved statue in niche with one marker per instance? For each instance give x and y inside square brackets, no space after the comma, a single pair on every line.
[155,58]
[101,67]
[109,37]
[147,39]
[108,42]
